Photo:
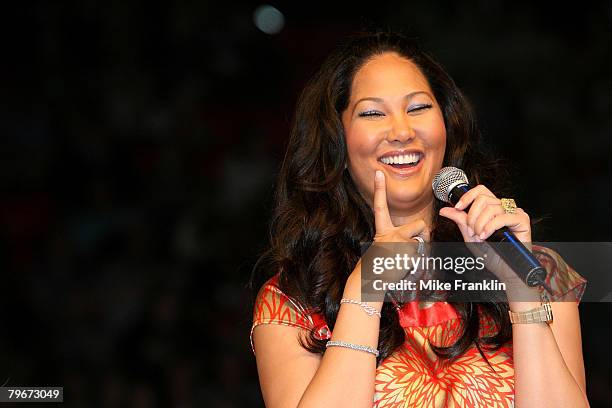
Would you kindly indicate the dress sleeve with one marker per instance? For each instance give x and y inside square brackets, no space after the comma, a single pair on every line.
[565,282]
[272,306]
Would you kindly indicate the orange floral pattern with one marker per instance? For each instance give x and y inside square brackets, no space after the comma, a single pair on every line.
[413,376]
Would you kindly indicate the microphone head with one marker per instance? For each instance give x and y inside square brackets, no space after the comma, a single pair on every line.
[447,179]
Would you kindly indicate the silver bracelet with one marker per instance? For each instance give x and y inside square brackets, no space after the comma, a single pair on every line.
[421,246]
[370,310]
[339,343]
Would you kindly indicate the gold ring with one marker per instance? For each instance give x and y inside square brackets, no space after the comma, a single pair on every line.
[508,205]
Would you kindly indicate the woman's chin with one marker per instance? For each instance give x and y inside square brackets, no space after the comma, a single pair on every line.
[408,202]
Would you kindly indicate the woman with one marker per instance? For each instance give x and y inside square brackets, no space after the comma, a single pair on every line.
[376,97]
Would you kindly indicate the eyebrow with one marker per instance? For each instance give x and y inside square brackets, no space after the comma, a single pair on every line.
[381,100]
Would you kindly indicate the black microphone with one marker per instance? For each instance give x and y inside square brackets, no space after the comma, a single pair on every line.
[449,185]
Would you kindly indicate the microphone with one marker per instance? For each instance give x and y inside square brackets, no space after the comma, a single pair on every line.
[449,185]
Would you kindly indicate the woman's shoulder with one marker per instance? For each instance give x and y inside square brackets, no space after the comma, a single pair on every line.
[565,283]
[273,306]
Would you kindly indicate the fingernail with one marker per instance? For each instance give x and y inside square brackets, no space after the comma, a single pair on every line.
[379,175]
[482,235]
[470,231]
[458,205]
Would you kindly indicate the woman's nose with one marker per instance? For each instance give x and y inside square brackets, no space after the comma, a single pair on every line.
[401,130]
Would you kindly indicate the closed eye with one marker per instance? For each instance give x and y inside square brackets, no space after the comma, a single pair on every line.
[421,107]
[370,113]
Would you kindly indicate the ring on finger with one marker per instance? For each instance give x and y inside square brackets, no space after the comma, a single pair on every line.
[508,205]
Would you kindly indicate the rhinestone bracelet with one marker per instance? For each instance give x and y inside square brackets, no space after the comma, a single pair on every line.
[339,343]
[370,310]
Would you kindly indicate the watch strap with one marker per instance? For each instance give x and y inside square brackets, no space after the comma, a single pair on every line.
[542,314]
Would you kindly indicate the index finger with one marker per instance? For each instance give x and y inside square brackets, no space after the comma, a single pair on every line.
[382,219]
[471,195]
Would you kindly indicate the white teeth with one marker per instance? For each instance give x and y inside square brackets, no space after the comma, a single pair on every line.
[411,158]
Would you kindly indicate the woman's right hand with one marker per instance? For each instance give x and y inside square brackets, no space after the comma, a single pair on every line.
[385,230]
[390,240]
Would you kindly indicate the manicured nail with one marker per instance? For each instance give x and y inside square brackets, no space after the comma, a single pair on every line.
[379,175]
[482,235]
[458,205]
[470,231]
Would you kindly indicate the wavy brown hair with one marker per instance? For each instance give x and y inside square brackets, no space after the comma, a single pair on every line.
[320,219]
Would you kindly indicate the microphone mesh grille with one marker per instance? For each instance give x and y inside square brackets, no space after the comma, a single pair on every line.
[446,179]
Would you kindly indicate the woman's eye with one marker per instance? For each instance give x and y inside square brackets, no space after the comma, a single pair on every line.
[412,109]
[370,113]
[418,108]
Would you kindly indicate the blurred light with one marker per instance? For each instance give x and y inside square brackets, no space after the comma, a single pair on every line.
[268,19]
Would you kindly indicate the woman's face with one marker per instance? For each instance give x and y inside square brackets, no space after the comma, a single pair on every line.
[393,123]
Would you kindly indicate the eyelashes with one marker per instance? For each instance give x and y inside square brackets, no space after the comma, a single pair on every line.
[420,107]
[416,108]
[369,113]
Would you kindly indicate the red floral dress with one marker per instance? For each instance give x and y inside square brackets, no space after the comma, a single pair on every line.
[413,376]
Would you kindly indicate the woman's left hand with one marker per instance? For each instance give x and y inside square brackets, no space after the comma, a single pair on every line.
[485,216]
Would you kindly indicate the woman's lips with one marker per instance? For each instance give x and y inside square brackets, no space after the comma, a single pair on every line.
[403,170]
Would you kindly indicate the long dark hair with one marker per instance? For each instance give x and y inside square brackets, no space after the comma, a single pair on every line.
[320,218]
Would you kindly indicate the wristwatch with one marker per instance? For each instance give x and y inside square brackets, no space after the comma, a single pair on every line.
[542,314]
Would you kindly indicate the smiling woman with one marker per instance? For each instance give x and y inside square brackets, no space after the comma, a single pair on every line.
[393,123]
[372,129]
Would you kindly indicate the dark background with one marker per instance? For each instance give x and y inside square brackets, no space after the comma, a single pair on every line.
[140,144]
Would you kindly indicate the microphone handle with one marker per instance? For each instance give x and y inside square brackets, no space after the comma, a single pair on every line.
[512,250]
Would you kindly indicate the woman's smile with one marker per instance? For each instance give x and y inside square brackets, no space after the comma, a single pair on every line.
[402,163]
